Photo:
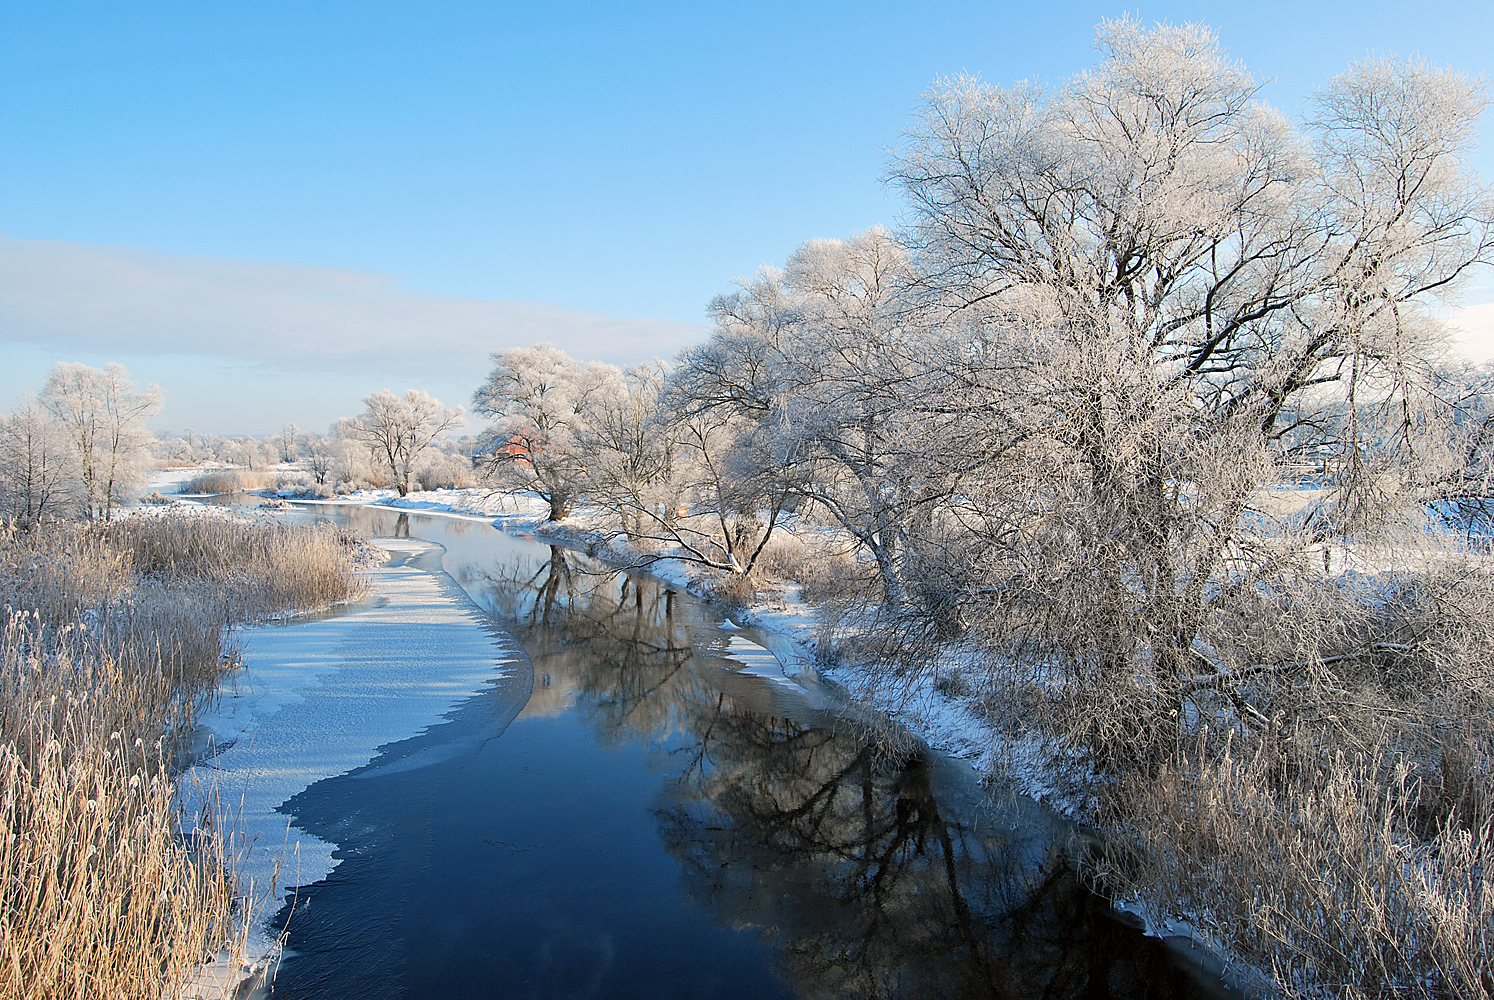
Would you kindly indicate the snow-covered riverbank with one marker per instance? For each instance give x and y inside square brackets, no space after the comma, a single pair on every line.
[318,698]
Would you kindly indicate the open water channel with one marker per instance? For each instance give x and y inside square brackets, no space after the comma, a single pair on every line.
[634,801]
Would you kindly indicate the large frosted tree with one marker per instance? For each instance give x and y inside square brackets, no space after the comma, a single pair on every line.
[1166,296]
[827,361]
[546,405]
[397,430]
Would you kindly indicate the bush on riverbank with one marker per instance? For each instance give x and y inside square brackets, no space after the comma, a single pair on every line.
[112,637]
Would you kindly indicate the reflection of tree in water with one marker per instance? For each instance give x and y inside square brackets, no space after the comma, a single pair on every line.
[612,641]
[842,856]
[832,847]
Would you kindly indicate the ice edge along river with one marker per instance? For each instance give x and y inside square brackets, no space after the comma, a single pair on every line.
[320,697]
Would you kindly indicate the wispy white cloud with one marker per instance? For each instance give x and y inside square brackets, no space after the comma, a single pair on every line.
[288,317]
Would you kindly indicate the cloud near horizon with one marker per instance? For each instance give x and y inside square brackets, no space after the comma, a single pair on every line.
[244,346]
[299,317]
[288,317]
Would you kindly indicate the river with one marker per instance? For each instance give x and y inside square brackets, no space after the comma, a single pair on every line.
[635,802]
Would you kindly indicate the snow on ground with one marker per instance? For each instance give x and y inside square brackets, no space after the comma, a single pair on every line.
[318,698]
[169,481]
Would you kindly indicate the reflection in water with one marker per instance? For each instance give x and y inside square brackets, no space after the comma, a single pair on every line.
[870,869]
[866,885]
[606,640]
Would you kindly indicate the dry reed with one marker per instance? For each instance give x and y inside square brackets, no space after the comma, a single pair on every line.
[258,568]
[1326,816]
[112,637]
[1316,875]
[229,481]
[108,892]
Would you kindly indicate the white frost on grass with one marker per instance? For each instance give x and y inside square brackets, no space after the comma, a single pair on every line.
[318,698]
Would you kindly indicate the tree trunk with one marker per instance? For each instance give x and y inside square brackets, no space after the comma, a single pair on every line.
[892,584]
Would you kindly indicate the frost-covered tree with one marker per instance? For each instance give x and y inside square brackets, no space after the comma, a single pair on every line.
[702,482]
[633,458]
[545,404]
[397,430]
[829,362]
[321,456]
[1163,290]
[449,467]
[186,449]
[287,443]
[248,452]
[1459,467]
[104,416]
[38,472]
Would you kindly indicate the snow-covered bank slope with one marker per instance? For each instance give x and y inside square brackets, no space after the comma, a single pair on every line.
[319,698]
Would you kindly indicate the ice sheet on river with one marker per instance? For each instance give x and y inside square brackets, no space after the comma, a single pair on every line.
[319,698]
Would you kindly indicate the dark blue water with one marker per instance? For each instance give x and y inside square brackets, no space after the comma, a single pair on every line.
[653,824]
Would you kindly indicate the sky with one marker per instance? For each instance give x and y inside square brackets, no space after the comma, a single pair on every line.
[274,209]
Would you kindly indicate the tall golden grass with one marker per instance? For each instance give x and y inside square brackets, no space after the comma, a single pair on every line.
[229,481]
[253,568]
[112,637]
[108,891]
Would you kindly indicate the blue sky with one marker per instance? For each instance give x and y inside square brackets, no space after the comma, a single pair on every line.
[588,173]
